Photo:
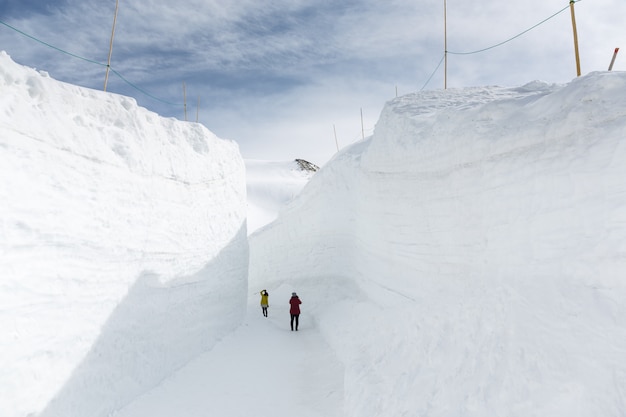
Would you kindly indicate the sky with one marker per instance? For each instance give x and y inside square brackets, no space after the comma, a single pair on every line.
[298,79]
[466,259]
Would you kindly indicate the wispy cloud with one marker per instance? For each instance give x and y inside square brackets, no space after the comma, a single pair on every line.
[248,59]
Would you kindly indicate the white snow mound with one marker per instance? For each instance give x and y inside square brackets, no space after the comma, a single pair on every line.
[113,219]
[468,258]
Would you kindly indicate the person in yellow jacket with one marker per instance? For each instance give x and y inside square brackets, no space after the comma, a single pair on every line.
[264,302]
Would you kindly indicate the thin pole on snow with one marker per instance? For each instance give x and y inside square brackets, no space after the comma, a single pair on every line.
[106,76]
[362,128]
[336,141]
[198,109]
[185,100]
[445,45]
[571,6]
[613,59]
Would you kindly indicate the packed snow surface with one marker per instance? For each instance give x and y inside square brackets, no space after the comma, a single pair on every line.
[467,259]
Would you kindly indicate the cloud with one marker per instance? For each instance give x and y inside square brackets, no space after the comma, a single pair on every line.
[24,8]
[265,55]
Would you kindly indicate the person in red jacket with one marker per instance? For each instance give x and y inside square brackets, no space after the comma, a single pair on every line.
[295,309]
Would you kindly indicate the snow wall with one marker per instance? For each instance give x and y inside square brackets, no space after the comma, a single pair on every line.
[123,237]
[471,253]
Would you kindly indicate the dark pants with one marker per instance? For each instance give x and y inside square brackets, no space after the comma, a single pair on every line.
[296,317]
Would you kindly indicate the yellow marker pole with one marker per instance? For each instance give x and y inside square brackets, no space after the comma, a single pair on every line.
[571,6]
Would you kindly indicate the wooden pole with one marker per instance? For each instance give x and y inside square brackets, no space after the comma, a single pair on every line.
[445,45]
[571,6]
[106,76]
[613,59]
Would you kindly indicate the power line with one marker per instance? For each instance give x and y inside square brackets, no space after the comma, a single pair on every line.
[498,44]
[51,46]
[514,37]
[136,87]
[433,73]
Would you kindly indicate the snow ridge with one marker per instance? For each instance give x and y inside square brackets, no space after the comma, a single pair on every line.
[482,232]
[113,220]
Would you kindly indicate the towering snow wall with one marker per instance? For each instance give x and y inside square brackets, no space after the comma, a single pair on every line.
[123,249]
[472,253]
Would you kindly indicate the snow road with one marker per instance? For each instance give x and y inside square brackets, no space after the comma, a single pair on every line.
[262,367]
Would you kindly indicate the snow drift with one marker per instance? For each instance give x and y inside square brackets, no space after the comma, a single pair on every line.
[468,258]
[122,232]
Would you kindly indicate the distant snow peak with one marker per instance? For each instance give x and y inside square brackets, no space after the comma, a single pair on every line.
[307,166]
